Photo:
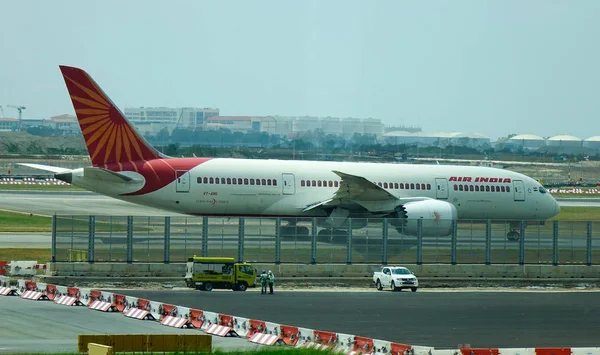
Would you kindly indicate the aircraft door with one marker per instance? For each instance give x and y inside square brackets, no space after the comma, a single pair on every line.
[183,181]
[289,186]
[441,187]
[519,188]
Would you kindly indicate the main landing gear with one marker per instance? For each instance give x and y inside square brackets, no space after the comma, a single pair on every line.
[293,230]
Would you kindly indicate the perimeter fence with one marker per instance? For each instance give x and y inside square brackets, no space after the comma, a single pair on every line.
[130,239]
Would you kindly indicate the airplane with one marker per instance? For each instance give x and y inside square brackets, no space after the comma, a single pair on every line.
[126,167]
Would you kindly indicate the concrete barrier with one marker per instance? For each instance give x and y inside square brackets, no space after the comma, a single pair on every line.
[118,270]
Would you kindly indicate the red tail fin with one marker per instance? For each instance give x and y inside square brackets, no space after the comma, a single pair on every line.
[108,136]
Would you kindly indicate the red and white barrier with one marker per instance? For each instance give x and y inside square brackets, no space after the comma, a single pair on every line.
[220,330]
[138,314]
[7,291]
[265,339]
[33,295]
[176,322]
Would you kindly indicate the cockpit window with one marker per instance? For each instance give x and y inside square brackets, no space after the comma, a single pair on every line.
[543,190]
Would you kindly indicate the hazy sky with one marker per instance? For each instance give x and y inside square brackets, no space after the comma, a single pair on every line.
[492,67]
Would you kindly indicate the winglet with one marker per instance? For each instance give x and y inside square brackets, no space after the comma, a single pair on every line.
[108,136]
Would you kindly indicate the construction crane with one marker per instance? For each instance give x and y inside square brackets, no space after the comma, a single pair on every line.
[2,112]
[18,108]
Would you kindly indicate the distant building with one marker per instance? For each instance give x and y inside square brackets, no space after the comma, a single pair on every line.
[9,124]
[66,123]
[150,120]
[234,123]
[437,139]
[30,123]
[564,141]
[525,142]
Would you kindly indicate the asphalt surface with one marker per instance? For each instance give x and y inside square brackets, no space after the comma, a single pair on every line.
[439,319]
[44,327]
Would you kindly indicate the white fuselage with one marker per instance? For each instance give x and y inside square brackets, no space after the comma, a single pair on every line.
[284,191]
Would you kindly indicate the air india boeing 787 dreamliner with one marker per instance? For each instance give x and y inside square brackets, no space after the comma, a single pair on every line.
[126,167]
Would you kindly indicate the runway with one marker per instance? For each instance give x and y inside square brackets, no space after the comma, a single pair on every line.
[45,327]
[439,319]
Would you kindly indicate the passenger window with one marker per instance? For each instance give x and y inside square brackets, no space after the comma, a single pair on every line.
[211,180]
[264,181]
[379,184]
[274,182]
[217,181]
[497,188]
[269,182]
[396,185]
[401,186]
[240,181]
[319,183]
[245,181]
[314,183]
[205,180]
[428,186]
[412,186]
[301,182]
[385,185]
[228,181]
[502,189]
[330,183]
[422,186]
[455,187]
[257,181]
[508,189]
[487,188]
[335,183]
[418,187]
[234,181]
[199,180]
[324,183]
[471,188]
[476,188]
[251,181]
[460,187]
[223,181]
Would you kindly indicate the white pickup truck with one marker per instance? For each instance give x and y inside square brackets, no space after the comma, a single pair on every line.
[395,278]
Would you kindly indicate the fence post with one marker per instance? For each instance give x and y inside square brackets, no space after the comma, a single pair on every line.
[384,242]
[205,236]
[453,241]
[278,240]
[348,242]
[588,252]
[91,236]
[313,242]
[522,243]
[53,244]
[167,256]
[129,239]
[555,243]
[419,241]
[241,231]
[488,242]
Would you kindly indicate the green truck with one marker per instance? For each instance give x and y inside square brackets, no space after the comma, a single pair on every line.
[203,273]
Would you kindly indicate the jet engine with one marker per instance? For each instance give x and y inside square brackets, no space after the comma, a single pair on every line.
[437,217]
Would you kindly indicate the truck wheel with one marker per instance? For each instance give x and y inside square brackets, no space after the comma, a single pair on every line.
[242,287]
[393,286]
[413,289]
[208,286]
[378,285]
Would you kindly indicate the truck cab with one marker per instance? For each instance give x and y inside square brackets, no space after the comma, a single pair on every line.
[203,273]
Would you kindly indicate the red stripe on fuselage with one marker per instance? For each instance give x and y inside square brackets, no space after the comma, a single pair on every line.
[158,173]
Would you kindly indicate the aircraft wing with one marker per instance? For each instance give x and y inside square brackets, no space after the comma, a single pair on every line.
[356,190]
[54,169]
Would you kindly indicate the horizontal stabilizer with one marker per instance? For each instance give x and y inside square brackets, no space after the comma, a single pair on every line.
[53,169]
[107,175]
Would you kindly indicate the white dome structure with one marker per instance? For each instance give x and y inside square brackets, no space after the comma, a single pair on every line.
[472,140]
[526,141]
[592,142]
[564,141]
